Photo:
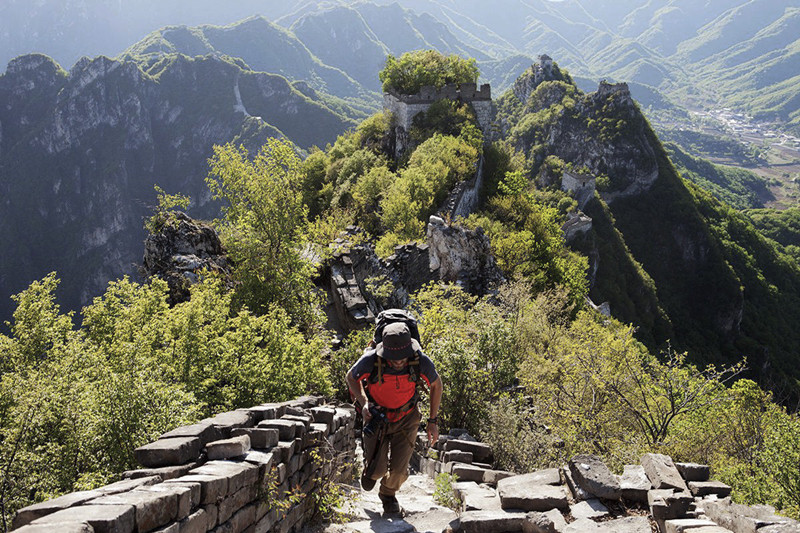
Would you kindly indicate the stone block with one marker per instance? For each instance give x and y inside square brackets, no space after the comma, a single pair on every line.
[287,429]
[286,449]
[662,473]
[152,509]
[169,528]
[680,525]
[323,415]
[168,452]
[306,402]
[243,518]
[238,474]
[591,508]
[480,451]
[720,529]
[212,515]
[577,492]
[232,419]
[186,496]
[694,471]
[491,477]
[305,419]
[273,410]
[325,429]
[102,518]
[491,521]
[467,472]
[263,460]
[206,431]
[458,456]
[62,527]
[634,483]
[706,488]
[747,518]
[260,438]
[212,487]
[519,492]
[236,501]
[26,515]
[667,504]
[128,484]
[165,472]
[228,448]
[593,476]
[547,522]
[477,497]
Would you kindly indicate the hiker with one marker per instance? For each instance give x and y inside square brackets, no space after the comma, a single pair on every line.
[384,383]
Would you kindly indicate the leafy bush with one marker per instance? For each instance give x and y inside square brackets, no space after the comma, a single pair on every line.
[474,360]
[414,70]
[75,403]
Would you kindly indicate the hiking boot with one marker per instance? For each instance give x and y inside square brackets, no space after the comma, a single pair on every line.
[390,504]
[367,483]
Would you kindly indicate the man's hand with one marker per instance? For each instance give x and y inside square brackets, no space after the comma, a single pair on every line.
[365,412]
[433,433]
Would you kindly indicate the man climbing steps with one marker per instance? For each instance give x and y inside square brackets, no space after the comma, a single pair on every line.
[385,383]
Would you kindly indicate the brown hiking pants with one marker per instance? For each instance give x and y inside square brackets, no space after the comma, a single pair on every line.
[391,460]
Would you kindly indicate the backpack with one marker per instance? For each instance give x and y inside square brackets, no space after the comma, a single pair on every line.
[389,316]
[384,318]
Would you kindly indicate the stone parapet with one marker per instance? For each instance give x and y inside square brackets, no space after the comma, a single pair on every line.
[229,473]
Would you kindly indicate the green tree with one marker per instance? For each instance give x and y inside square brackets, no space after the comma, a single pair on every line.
[263,225]
[413,70]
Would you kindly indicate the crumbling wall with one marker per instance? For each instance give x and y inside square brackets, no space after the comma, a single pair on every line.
[585,496]
[247,470]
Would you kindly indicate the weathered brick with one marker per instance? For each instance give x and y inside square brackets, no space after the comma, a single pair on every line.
[287,429]
[102,518]
[153,509]
[187,496]
[26,515]
[593,476]
[62,527]
[206,431]
[228,448]
[260,438]
[213,487]
[662,473]
[238,474]
[168,452]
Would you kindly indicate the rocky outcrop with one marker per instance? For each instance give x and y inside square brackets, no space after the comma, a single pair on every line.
[462,256]
[181,251]
[361,284]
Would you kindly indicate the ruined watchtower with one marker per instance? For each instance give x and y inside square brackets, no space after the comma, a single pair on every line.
[406,106]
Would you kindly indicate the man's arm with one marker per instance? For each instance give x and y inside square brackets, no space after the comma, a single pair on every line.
[436,399]
[357,390]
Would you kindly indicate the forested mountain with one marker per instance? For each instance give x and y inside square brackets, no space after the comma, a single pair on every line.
[81,152]
[740,53]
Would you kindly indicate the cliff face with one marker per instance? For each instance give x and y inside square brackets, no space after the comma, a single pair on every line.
[80,153]
[604,134]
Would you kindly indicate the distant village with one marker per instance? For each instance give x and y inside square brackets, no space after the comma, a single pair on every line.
[742,126]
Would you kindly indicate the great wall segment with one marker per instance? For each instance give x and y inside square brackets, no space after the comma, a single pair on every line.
[258,470]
